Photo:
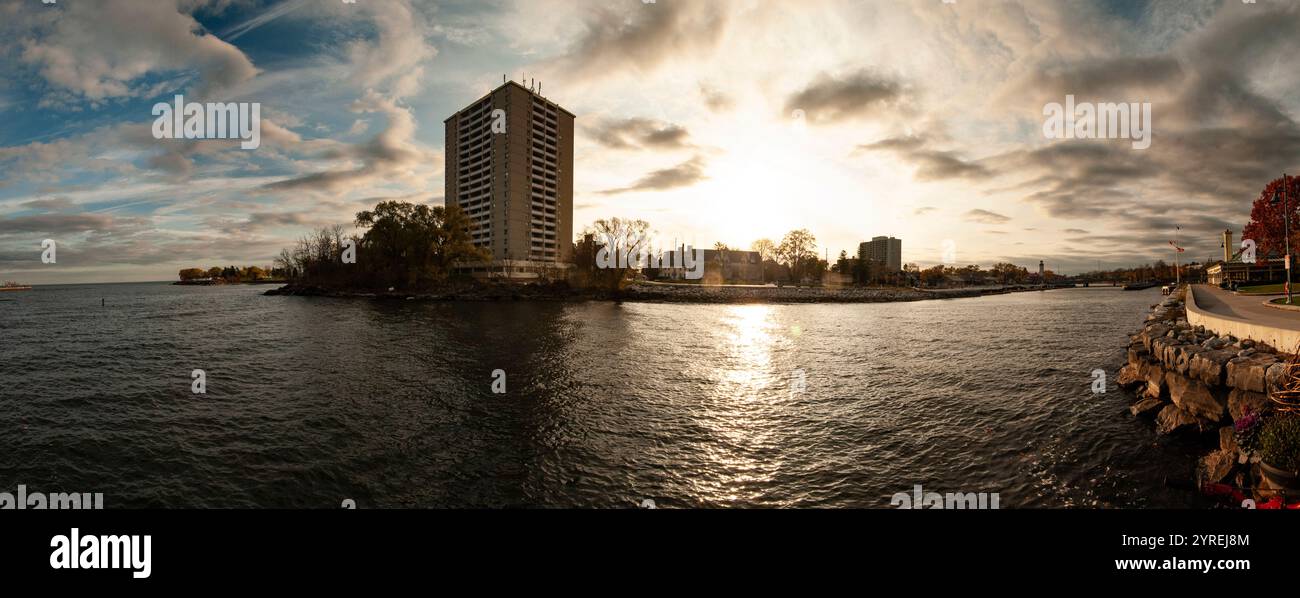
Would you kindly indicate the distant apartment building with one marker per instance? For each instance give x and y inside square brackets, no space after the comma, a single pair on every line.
[512,174]
[883,250]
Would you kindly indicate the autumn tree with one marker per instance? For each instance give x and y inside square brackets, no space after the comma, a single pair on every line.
[411,245]
[1266,226]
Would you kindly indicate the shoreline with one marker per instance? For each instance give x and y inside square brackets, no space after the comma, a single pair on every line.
[654,293]
[1197,383]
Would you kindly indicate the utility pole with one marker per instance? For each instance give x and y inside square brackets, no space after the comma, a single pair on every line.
[1286,227]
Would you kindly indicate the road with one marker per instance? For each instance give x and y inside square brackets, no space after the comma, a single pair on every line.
[1246,307]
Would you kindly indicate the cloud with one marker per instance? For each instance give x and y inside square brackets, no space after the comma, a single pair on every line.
[102,50]
[932,165]
[923,210]
[683,175]
[856,95]
[985,217]
[54,204]
[641,37]
[639,133]
[393,154]
[715,99]
[56,224]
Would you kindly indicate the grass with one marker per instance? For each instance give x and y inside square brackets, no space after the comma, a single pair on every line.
[1263,289]
[1282,301]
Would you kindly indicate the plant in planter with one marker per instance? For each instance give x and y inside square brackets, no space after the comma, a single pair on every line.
[1246,430]
[1279,449]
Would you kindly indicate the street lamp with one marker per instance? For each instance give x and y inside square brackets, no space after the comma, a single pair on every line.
[1279,196]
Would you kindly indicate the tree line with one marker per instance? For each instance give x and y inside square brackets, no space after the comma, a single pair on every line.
[231,274]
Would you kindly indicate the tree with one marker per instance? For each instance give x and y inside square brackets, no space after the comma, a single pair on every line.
[214,272]
[798,249]
[619,236]
[1266,227]
[406,244]
[192,274]
[767,257]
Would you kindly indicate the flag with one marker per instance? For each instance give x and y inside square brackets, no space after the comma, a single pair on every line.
[1180,249]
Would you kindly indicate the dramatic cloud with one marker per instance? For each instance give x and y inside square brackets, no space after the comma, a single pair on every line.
[683,175]
[103,49]
[641,37]
[932,165]
[639,133]
[856,95]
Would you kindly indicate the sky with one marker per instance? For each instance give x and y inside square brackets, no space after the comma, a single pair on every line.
[715,121]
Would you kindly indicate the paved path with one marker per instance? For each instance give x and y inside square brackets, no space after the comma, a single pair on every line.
[1251,308]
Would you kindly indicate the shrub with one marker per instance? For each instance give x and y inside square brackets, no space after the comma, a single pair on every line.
[1279,442]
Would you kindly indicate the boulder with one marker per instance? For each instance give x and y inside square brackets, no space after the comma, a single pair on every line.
[1172,419]
[1241,402]
[1155,377]
[1215,467]
[1153,332]
[1183,365]
[1273,378]
[1137,354]
[1147,406]
[1129,377]
[1210,366]
[1248,373]
[1194,398]
[1228,439]
[1169,353]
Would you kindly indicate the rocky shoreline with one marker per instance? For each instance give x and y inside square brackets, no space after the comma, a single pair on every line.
[659,293]
[1196,383]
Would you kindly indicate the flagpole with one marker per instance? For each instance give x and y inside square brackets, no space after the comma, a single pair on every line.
[1178,270]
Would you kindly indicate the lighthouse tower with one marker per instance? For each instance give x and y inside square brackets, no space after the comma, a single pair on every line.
[1041,280]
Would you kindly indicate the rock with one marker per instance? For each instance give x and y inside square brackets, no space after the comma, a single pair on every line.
[1168,355]
[1155,377]
[1247,373]
[1245,352]
[1129,377]
[1147,406]
[1185,354]
[1172,419]
[1194,398]
[1228,439]
[1249,344]
[1274,376]
[1241,402]
[1151,332]
[1215,467]
[1210,366]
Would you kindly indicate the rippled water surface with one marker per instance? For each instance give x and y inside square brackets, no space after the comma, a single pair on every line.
[310,401]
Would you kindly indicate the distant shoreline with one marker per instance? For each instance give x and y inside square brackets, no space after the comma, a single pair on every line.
[209,283]
[657,293]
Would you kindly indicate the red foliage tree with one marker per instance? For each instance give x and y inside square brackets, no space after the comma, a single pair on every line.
[1266,226]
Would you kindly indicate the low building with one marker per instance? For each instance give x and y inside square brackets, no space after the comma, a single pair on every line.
[729,266]
[1267,268]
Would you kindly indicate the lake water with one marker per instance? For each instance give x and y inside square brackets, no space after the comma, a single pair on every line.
[311,401]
